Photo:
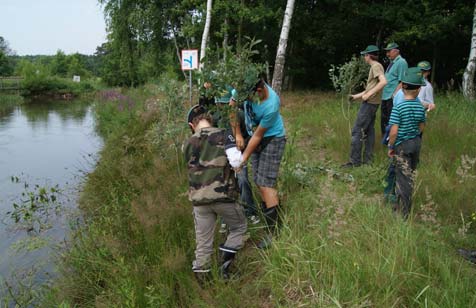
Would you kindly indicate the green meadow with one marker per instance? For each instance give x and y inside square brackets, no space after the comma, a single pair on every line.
[340,245]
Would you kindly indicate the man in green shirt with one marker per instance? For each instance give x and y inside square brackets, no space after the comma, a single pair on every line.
[393,74]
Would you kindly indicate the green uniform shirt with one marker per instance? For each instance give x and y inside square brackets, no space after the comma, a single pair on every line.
[393,75]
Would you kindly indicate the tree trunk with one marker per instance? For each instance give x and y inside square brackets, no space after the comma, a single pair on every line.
[283,42]
[225,37]
[468,76]
[206,30]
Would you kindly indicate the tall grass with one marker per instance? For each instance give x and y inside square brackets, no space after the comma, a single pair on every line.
[340,245]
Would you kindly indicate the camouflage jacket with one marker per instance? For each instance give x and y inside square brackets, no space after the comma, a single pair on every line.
[210,176]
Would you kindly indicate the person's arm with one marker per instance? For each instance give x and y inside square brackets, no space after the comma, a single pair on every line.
[421,126]
[392,137]
[357,96]
[382,81]
[254,142]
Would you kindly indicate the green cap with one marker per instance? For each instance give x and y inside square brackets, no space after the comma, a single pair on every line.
[424,65]
[195,111]
[413,76]
[391,46]
[369,49]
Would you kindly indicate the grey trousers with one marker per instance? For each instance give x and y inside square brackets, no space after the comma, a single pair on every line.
[407,156]
[363,134]
[205,217]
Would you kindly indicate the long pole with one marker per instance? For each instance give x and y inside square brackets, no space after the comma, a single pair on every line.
[190,86]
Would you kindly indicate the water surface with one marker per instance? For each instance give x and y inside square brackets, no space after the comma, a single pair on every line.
[44,143]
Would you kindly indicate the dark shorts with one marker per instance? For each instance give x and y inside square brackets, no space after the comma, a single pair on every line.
[265,162]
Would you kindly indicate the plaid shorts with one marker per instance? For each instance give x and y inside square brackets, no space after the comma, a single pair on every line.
[265,163]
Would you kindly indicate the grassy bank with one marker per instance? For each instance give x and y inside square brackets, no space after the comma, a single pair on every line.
[8,101]
[340,245]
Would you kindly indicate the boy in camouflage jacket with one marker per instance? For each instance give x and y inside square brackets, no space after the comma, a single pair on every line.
[212,191]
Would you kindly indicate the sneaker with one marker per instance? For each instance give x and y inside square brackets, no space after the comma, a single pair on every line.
[223,228]
[254,220]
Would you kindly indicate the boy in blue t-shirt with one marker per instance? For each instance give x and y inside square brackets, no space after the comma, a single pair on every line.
[407,122]
[266,148]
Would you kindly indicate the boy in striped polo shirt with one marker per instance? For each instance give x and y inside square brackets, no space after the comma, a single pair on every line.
[408,121]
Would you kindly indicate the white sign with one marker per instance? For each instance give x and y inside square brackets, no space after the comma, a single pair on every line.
[76,78]
[189,59]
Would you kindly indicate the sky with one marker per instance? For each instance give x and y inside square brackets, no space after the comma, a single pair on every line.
[41,27]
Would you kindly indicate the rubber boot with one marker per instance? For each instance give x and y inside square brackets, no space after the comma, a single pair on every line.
[203,276]
[227,257]
[271,216]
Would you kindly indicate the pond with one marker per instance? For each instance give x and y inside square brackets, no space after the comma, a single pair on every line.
[46,148]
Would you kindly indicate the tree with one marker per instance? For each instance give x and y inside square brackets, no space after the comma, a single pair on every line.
[206,29]
[283,42]
[6,67]
[468,77]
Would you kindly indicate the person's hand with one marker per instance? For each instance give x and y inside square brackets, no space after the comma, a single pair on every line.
[430,107]
[391,153]
[240,141]
[207,85]
[365,97]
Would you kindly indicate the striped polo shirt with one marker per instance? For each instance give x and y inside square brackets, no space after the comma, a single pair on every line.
[407,115]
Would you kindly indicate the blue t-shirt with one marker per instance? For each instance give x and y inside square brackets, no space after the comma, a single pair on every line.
[400,98]
[265,114]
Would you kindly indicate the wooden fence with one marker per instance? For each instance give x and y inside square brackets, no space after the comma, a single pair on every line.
[10,83]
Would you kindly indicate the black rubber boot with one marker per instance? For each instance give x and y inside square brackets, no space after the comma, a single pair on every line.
[203,276]
[271,216]
[227,257]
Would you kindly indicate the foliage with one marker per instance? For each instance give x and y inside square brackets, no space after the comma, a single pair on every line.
[339,245]
[236,69]
[350,76]
[32,212]
[6,66]
[39,80]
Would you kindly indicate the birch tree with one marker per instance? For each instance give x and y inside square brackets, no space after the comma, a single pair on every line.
[206,29]
[469,72]
[283,42]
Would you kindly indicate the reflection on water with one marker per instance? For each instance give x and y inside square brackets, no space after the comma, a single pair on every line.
[43,143]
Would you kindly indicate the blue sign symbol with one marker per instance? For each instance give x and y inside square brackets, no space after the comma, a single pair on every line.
[189,60]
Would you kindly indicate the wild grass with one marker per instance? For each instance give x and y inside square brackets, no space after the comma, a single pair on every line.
[340,245]
[9,101]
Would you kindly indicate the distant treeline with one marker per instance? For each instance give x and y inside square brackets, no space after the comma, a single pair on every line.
[145,37]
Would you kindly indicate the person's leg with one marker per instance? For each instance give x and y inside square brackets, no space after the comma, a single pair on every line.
[205,219]
[266,174]
[386,110]
[370,134]
[246,195]
[389,191]
[234,216]
[359,132]
[404,171]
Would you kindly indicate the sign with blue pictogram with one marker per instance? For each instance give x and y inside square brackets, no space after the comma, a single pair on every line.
[189,59]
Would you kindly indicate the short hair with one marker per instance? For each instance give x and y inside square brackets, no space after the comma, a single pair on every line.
[202,116]
[373,56]
[407,86]
[410,90]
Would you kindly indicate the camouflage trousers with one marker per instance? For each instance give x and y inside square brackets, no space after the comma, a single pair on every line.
[205,217]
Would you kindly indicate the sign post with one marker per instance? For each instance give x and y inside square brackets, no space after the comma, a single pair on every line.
[190,63]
